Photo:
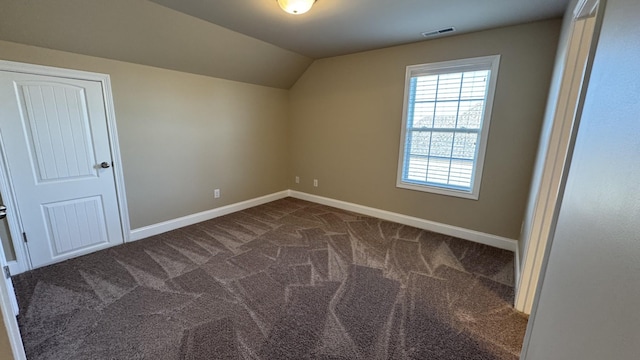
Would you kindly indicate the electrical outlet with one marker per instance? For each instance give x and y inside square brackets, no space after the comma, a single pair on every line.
[216,193]
[297,179]
[315,182]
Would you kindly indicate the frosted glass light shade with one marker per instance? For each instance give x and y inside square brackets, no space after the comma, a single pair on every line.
[296,7]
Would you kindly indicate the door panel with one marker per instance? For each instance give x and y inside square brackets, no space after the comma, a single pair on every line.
[56,137]
[75,224]
[58,129]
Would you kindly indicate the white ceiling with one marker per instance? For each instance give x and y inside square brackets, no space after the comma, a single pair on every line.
[337,27]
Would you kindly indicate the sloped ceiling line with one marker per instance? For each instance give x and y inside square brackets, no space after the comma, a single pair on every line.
[251,41]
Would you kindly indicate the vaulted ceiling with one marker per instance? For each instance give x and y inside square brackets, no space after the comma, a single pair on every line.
[338,27]
[247,40]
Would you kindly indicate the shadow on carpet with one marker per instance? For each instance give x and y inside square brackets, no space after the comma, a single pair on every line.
[285,280]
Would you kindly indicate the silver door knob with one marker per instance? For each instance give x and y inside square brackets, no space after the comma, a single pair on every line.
[105,165]
[3,212]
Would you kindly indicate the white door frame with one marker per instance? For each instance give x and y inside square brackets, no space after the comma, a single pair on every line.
[13,209]
[9,310]
[559,149]
[10,323]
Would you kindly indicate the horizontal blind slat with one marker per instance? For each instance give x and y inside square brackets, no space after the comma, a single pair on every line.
[447,111]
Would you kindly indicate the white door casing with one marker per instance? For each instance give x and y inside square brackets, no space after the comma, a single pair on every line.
[559,147]
[8,283]
[56,132]
[9,311]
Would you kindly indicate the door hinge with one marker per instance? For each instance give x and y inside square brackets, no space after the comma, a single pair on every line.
[24,237]
[7,272]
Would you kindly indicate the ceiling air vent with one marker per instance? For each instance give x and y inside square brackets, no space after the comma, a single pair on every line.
[438,32]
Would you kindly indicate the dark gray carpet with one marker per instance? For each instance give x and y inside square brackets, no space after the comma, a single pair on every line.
[285,280]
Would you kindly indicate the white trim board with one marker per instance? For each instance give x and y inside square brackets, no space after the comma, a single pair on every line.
[557,158]
[462,233]
[159,228]
[516,267]
[11,325]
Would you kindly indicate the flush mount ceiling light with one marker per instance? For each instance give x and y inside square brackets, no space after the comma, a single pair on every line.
[296,7]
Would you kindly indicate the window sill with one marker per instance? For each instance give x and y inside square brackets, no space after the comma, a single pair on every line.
[439,190]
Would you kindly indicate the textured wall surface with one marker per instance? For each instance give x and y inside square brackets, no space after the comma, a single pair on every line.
[587,305]
[183,135]
[346,117]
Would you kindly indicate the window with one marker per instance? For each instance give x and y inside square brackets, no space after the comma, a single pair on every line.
[447,108]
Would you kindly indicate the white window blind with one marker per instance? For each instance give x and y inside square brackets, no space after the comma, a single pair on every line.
[446,115]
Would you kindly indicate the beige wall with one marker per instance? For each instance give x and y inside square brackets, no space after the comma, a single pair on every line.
[346,115]
[5,346]
[182,135]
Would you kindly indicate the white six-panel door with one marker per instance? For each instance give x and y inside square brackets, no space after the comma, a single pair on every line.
[55,136]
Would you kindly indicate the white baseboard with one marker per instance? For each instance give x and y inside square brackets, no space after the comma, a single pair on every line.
[159,228]
[471,235]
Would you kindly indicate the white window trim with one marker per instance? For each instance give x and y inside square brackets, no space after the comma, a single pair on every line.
[492,63]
